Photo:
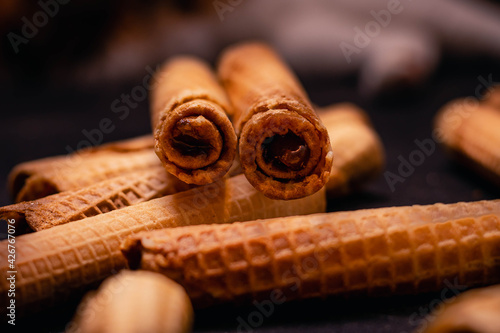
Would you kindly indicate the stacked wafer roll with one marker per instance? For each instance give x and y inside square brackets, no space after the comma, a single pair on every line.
[475,311]
[469,130]
[284,148]
[103,209]
[36,179]
[359,158]
[376,251]
[122,146]
[103,197]
[359,154]
[55,263]
[194,137]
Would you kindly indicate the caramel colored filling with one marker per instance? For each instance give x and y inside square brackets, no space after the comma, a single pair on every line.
[193,136]
[196,141]
[286,152]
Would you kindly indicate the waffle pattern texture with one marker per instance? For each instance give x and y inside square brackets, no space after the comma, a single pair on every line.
[379,251]
[284,148]
[103,197]
[55,263]
[82,171]
[22,172]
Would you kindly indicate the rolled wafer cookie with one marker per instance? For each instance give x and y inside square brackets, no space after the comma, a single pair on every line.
[493,97]
[475,311]
[30,182]
[56,263]
[134,302]
[103,197]
[359,154]
[123,146]
[194,138]
[358,150]
[469,130]
[284,148]
[23,171]
[385,251]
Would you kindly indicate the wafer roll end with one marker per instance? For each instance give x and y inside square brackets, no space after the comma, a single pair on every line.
[493,97]
[194,138]
[469,133]
[25,185]
[284,148]
[359,153]
[17,214]
[197,143]
[132,302]
[473,311]
[284,155]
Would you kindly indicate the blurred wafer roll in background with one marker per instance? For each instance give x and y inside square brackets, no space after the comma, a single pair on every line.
[386,251]
[475,311]
[123,146]
[284,148]
[194,138]
[99,198]
[56,263]
[470,132]
[134,302]
[359,154]
[37,179]
[493,97]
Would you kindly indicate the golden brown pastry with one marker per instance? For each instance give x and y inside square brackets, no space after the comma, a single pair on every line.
[359,154]
[284,148]
[475,311]
[35,179]
[194,138]
[396,250]
[103,197]
[493,97]
[470,133]
[58,262]
[134,302]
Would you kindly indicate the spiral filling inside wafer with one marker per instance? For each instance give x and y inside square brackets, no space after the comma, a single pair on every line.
[196,137]
[193,137]
[284,145]
[284,152]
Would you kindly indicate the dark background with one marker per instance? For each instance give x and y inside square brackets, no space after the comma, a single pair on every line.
[64,81]
[41,120]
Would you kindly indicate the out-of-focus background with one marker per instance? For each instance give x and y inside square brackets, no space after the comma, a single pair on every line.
[386,43]
[66,64]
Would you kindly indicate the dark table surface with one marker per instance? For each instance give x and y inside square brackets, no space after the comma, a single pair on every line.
[43,120]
